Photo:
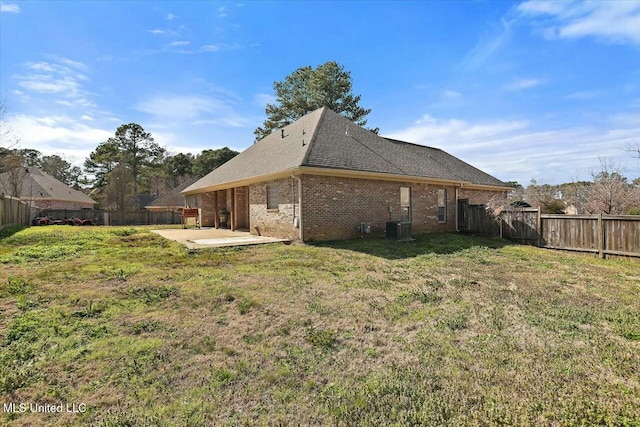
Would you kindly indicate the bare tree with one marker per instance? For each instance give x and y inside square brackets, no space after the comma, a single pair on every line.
[634,149]
[609,193]
[545,196]
[13,174]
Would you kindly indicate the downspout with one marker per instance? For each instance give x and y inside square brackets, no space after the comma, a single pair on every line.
[297,178]
[457,213]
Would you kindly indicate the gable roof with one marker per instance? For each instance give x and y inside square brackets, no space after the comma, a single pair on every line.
[173,197]
[325,139]
[38,185]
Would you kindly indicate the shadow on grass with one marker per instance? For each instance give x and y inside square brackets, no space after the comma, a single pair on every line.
[436,243]
[10,231]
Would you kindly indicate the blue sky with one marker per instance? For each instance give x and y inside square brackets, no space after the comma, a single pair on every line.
[523,90]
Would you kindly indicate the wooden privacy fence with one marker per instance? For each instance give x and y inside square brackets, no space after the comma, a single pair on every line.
[102,217]
[13,212]
[603,235]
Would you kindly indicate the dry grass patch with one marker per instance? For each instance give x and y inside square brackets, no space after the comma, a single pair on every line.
[448,329]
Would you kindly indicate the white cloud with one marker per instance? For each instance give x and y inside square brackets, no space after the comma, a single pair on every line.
[612,21]
[179,43]
[220,47]
[451,95]
[211,48]
[196,110]
[61,78]
[157,31]
[488,45]
[171,17]
[180,107]
[516,150]
[9,8]
[521,84]
[262,99]
[57,134]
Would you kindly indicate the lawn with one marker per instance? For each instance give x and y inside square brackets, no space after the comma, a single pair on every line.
[445,330]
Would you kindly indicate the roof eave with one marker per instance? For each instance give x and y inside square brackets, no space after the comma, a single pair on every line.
[346,173]
[349,173]
[241,182]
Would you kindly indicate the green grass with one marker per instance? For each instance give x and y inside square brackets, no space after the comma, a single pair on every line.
[445,330]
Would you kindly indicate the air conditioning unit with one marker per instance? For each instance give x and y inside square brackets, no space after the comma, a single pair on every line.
[398,230]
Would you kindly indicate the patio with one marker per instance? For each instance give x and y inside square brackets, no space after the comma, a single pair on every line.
[214,238]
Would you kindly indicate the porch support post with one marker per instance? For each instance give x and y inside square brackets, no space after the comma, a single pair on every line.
[233,209]
[216,211]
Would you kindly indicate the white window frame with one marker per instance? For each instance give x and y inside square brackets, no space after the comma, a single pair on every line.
[273,191]
[442,205]
[405,202]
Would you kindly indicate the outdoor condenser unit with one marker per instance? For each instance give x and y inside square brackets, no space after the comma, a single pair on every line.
[398,230]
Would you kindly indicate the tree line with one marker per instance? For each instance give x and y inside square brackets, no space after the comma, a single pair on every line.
[608,192]
[119,171]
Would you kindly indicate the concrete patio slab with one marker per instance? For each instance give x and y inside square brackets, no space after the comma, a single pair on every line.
[214,238]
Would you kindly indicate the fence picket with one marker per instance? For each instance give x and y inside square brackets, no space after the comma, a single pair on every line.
[603,235]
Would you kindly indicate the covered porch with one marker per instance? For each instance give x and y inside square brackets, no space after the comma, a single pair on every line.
[227,209]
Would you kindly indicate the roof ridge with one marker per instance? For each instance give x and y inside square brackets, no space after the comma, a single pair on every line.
[312,138]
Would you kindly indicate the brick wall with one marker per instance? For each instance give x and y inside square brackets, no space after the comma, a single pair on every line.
[207,211]
[334,207]
[242,211]
[425,209]
[273,222]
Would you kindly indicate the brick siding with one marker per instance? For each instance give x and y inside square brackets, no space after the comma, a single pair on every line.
[273,222]
[207,212]
[333,207]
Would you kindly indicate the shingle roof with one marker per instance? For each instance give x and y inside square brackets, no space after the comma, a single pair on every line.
[40,185]
[325,139]
[172,198]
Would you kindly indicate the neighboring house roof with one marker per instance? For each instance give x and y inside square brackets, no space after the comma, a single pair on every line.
[38,185]
[171,198]
[326,140]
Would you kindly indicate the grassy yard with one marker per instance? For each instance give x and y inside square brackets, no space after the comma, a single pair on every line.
[448,329]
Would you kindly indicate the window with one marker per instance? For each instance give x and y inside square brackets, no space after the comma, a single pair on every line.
[442,205]
[405,202]
[272,196]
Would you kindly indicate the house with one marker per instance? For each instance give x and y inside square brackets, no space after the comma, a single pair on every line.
[171,200]
[42,191]
[324,177]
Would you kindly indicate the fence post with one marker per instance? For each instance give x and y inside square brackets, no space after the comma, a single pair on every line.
[600,236]
[539,227]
